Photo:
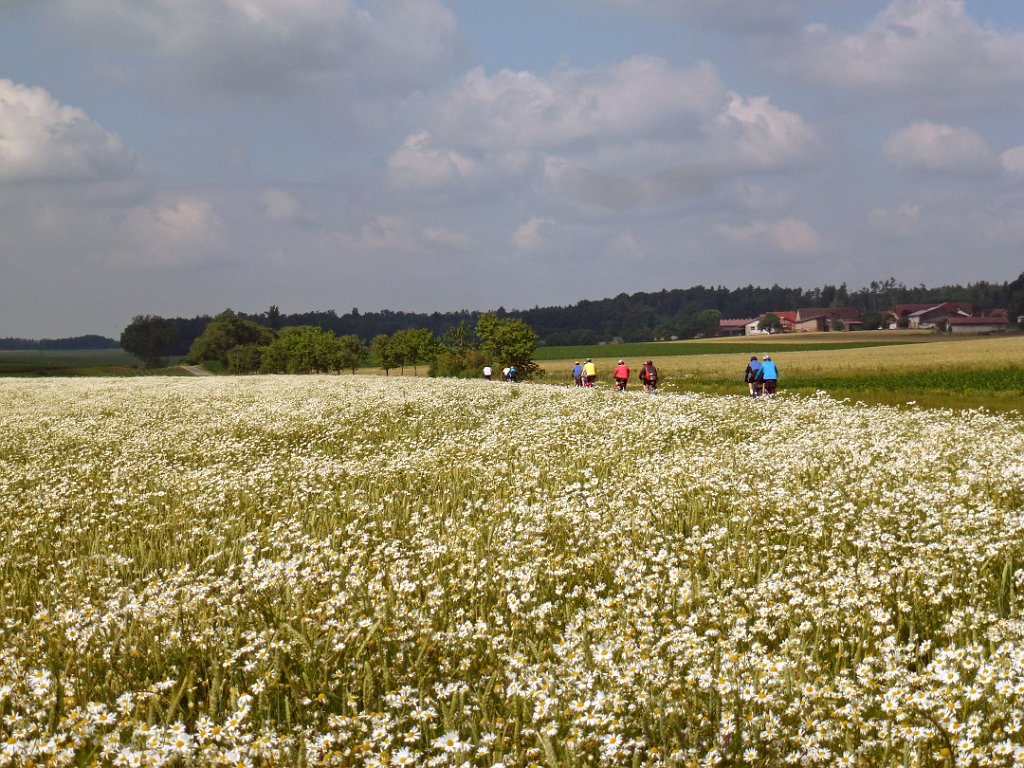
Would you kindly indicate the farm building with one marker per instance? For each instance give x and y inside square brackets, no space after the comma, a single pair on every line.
[734,327]
[823,318]
[977,324]
[932,315]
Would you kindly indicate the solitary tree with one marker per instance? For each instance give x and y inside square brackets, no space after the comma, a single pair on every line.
[304,349]
[508,341]
[770,322]
[149,338]
[225,332]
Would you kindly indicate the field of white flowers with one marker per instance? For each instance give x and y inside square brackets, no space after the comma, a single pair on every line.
[378,571]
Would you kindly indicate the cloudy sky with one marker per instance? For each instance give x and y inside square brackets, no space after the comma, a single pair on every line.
[178,157]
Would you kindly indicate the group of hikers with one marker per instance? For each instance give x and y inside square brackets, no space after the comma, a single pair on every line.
[509,373]
[585,374]
[762,376]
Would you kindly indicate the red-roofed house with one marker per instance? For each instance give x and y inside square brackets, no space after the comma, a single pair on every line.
[938,314]
[957,324]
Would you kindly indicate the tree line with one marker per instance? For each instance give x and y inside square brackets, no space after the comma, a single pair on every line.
[680,313]
[89,341]
[237,344]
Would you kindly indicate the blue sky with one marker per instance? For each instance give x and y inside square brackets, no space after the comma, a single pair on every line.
[178,157]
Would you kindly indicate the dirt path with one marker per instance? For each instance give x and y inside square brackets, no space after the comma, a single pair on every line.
[197,370]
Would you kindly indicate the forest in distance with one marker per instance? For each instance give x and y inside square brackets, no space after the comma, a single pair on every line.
[641,316]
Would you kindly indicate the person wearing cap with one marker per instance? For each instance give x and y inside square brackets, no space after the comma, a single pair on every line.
[750,376]
[649,377]
[621,376]
[768,375]
[589,373]
[577,374]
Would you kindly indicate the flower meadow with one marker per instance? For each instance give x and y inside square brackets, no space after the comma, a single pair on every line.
[371,571]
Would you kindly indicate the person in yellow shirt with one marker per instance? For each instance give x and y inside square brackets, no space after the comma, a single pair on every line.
[589,373]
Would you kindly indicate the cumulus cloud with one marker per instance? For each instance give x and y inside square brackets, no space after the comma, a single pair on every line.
[1012,161]
[915,46]
[939,148]
[42,140]
[281,207]
[175,233]
[262,45]
[530,236]
[790,236]
[637,132]
[641,97]
[418,165]
[764,135]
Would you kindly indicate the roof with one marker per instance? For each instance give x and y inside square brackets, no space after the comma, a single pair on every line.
[908,309]
[991,320]
[734,323]
[944,306]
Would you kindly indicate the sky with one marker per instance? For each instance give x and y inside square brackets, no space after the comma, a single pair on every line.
[181,157]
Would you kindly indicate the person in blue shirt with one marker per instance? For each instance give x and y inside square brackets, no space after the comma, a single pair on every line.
[750,376]
[768,375]
[577,374]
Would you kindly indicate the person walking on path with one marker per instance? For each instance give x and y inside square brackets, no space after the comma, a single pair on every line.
[750,376]
[577,374]
[768,375]
[589,373]
[649,377]
[621,376]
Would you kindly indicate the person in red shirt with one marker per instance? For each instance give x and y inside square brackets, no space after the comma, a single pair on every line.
[621,376]
[649,376]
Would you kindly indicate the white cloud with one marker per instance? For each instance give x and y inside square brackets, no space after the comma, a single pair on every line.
[918,47]
[790,236]
[939,148]
[764,135]
[1012,161]
[42,140]
[176,233]
[263,45]
[530,236]
[639,132]
[417,165]
[641,97]
[281,207]
[898,222]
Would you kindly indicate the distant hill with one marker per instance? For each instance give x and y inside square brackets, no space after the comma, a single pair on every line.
[89,341]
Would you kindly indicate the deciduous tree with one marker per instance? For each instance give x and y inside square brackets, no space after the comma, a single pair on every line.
[149,338]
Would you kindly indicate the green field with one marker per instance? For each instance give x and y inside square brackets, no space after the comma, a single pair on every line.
[690,348]
[75,362]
